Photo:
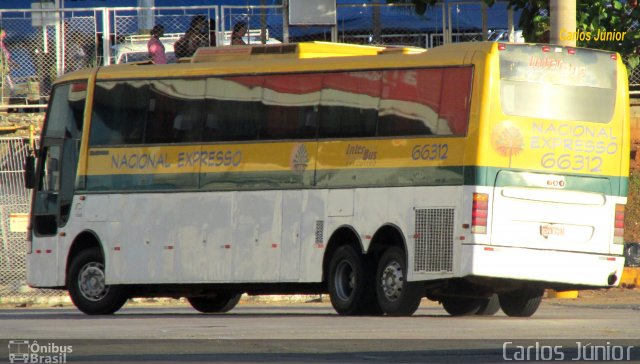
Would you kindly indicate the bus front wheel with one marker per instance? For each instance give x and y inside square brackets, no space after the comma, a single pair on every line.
[87,287]
[522,302]
[396,296]
[220,303]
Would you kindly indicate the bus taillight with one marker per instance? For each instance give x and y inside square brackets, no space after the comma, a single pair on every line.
[618,225]
[502,46]
[479,213]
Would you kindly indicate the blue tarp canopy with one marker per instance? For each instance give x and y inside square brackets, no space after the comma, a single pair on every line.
[403,19]
[26,4]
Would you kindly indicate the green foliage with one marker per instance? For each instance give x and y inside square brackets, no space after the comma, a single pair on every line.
[592,16]
[610,16]
[632,215]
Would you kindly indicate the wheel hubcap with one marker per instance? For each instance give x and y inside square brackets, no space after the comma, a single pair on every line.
[345,281]
[91,282]
[392,281]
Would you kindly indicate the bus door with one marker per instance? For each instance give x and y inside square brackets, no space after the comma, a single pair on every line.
[58,158]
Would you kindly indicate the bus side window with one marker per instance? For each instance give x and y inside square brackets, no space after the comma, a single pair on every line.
[177,115]
[288,122]
[160,118]
[346,108]
[233,120]
[409,102]
[119,112]
[456,100]
[347,122]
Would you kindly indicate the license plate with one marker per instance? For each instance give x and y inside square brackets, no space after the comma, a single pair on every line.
[547,230]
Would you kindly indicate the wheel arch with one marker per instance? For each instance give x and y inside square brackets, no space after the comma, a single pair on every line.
[87,239]
[388,235]
[343,235]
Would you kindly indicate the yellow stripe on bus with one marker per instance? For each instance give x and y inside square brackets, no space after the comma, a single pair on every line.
[277,156]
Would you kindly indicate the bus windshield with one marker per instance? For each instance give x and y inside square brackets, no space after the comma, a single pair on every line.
[557,83]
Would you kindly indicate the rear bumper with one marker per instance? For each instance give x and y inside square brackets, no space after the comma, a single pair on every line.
[541,265]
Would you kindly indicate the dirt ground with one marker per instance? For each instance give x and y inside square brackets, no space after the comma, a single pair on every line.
[614,297]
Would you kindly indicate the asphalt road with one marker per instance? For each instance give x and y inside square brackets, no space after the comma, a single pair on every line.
[254,333]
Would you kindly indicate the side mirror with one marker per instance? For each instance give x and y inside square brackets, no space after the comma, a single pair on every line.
[30,172]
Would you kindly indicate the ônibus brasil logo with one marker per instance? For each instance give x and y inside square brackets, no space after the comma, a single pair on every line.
[27,351]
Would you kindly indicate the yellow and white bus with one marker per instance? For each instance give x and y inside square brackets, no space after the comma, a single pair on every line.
[474,174]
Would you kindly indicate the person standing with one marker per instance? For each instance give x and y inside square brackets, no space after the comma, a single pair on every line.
[195,37]
[239,30]
[155,46]
[6,85]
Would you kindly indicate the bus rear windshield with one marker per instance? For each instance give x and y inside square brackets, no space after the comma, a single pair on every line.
[557,83]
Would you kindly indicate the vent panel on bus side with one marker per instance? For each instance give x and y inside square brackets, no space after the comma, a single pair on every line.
[319,231]
[434,240]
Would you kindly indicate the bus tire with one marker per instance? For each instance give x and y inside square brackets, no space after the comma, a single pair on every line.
[220,303]
[522,302]
[369,306]
[489,306]
[461,306]
[349,283]
[87,288]
[396,296]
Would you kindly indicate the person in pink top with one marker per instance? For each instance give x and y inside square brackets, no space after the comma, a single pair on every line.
[155,46]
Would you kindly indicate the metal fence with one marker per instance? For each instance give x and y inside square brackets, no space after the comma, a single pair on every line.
[634,75]
[15,202]
[46,43]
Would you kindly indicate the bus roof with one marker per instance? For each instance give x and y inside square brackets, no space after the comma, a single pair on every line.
[300,57]
[277,58]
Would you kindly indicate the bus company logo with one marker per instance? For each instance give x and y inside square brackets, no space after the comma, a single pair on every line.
[360,155]
[507,139]
[299,158]
[25,351]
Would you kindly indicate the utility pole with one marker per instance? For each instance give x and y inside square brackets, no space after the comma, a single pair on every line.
[563,22]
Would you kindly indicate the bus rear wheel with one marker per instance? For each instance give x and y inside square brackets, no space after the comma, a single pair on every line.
[396,296]
[522,302]
[220,303]
[489,306]
[350,284]
[461,306]
[87,287]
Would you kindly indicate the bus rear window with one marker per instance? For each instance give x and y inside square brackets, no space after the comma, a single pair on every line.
[557,83]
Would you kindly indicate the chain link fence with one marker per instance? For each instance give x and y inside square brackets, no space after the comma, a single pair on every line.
[634,75]
[265,24]
[131,28]
[47,43]
[15,202]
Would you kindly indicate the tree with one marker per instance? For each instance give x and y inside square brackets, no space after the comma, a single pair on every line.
[592,16]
